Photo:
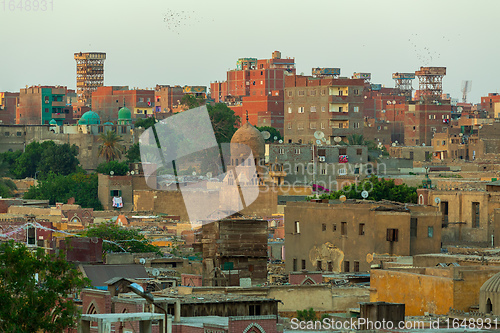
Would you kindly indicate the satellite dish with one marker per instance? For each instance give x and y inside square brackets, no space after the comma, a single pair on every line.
[275,138]
[423,144]
[265,134]
[128,172]
[337,139]
[324,139]
[437,200]
[461,134]
[194,173]
[318,142]
[364,194]
[142,261]
[281,141]
[394,144]
[396,141]
[155,272]
[319,135]
[343,198]
[132,173]
[209,174]
[111,172]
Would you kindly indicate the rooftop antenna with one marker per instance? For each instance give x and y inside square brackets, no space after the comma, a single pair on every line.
[466,87]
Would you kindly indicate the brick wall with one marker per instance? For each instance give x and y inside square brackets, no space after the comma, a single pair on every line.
[256,324]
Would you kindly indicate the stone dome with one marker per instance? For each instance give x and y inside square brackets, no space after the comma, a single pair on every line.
[250,136]
[124,113]
[492,285]
[89,118]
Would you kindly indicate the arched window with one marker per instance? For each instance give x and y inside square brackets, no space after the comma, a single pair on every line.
[489,306]
[420,199]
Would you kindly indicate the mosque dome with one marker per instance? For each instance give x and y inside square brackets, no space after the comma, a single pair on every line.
[250,136]
[492,285]
[124,113]
[52,122]
[89,118]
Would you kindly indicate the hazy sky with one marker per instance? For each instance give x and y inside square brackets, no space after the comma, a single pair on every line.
[194,42]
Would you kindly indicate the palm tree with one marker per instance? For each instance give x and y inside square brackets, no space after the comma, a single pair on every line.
[110,148]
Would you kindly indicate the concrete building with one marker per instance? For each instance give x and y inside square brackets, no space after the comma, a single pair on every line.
[344,237]
[489,104]
[108,100]
[8,105]
[38,105]
[256,87]
[89,75]
[332,106]
[433,290]
[312,164]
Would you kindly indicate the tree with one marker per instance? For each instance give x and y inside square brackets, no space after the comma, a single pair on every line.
[7,186]
[28,162]
[129,239]
[111,147]
[59,159]
[59,188]
[306,315]
[118,168]
[145,122]
[224,121]
[378,189]
[133,153]
[359,140]
[35,290]
[274,133]
[192,101]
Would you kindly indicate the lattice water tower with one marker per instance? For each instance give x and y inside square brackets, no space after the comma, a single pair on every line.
[89,75]
[431,82]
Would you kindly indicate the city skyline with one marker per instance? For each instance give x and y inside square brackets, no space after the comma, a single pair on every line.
[195,43]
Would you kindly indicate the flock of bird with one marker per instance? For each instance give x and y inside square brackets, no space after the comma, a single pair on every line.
[176,20]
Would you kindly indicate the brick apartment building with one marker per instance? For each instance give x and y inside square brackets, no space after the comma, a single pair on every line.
[423,120]
[108,100]
[38,105]
[333,106]
[489,104]
[256,86]
[8,104]
[168,98]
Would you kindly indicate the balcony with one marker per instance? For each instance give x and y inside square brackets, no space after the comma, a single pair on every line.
[338,99]
[60,104]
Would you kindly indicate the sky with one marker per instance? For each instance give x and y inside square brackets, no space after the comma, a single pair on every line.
[194,42]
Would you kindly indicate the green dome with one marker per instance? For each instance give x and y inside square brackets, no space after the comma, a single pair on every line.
[124,113]
[52,122]
[108,123]
[89,118]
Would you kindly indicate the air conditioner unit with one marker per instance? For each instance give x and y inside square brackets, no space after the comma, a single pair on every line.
[321,158]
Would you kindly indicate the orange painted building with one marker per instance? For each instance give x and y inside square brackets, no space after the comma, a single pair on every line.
[256,86]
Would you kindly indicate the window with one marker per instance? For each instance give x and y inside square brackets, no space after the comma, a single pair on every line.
[297,227]
[340,108]
[343,228]
[334,227]
[254,310]
[323,171]
[330,266]
[297,150]
[289,109]
[301,93]
[289,125]
[149,99]
[355,125]
[312,92]
[361,229]
[355,91]
[290,93]
[433,129]
[281,151]
[356,266]
[301,109]
[19,133]
[141,99]
[319,265]
[323,92]
[430,232]
[343,151]
[413,227]
[313,109]
[356,109]
[323,227]
[115,193]
[359,152]
[322,125]
[303,264]
[300,126]
[46,110]
[294,264]
[312,125]
[323,108]
[7,133]
[392,235]
[475,214]
[346,266]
